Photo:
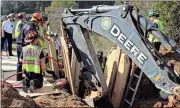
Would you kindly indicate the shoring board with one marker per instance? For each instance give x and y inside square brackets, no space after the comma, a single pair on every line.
[112,67]
[73,66]
[121,79]
[76,84]
[66,61]
[52,53]
[49,53]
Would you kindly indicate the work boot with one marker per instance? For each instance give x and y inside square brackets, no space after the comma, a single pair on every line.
[11,55]
[24,86]
[31,88]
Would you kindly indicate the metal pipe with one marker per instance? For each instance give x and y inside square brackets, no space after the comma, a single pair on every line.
[97,9]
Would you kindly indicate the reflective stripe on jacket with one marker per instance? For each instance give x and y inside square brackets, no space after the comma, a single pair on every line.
[151,38]
[31,58]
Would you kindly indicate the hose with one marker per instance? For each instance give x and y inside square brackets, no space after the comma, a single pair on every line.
[12,84]
[16,84]
[57,63]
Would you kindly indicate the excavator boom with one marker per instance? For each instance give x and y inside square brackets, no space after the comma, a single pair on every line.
[125,27]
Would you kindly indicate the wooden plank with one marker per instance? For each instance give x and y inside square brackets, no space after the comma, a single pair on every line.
[112,67]
[46,89]
[121,79]
[49,53]
[76,82]
[73,66]
[66,61]
[63,57]
[52,53]
[75,69]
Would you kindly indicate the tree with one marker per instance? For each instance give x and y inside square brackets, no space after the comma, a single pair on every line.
[23,6]
[89,4]
[55,10]
[60,4]
[170,15]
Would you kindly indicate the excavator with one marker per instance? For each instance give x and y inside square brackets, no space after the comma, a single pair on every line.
[128,29]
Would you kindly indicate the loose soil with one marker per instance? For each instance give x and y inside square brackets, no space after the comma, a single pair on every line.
[10,97]
[63,99]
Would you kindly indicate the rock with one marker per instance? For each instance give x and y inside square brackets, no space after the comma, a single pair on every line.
[159,104]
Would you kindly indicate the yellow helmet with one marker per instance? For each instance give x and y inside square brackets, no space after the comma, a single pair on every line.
[34,19]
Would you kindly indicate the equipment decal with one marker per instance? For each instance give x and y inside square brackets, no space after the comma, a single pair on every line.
[106,23]
[128,44]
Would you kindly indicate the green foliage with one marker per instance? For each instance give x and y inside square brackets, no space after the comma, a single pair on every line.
[23,6]
[54,13]
[118,2]
[101,43]
[62,4]
[170,15]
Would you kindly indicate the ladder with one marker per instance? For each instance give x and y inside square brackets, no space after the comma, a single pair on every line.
[131,91]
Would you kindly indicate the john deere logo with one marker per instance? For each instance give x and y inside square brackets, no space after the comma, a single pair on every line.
[106,23]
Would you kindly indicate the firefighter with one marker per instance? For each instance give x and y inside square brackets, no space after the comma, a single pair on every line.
[19,42]
[39,27]
[33,64]
[153,16]
[29,26]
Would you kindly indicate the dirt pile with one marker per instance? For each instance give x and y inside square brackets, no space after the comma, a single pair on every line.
[63,99]
[173,101]
[148,103]
[10,97]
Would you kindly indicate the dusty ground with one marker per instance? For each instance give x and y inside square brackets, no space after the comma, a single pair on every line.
[63,99]
[10,97]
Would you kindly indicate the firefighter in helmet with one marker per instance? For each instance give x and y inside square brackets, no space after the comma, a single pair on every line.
[33,64]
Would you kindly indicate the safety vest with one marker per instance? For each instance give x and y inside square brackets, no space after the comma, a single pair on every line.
[31,58]
[17,31]
[41,32]
[160,27]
